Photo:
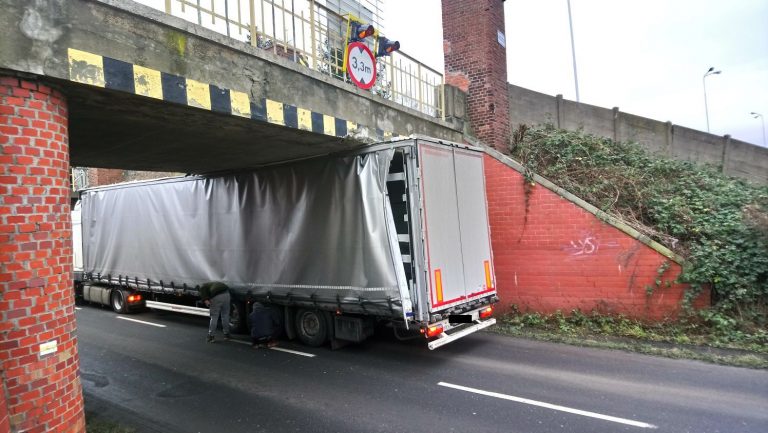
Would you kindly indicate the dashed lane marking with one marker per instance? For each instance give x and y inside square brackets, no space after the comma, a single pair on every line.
[141,321]
[280,349]
[295,352]
[549,406]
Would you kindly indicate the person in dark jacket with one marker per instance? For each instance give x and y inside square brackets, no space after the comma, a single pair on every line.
[215,295]
[265,325]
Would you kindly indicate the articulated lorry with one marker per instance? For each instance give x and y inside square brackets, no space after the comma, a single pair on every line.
[394,233]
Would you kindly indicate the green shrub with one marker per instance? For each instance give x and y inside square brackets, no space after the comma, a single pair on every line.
[719,224]
[105,426]
[532,319]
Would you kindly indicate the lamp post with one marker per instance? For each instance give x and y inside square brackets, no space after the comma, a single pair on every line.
[762,119]
[710,71]
[573,52]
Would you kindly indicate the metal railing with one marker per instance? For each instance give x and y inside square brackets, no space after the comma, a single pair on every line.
[309,33]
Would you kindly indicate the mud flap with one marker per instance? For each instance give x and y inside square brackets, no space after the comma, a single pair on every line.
[290,322]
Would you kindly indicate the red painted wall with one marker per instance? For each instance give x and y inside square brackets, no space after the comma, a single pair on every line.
[552,254]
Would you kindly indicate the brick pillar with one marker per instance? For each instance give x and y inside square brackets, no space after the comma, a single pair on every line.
[476,62]
[39,379]
[5,424]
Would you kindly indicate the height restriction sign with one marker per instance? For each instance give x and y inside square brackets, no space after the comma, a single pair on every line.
[361,65]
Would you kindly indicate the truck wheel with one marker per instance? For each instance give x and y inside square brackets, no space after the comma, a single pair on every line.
[311,327]
[118,301]
[237,317]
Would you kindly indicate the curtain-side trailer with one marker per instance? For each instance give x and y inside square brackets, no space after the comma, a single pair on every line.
[395,232]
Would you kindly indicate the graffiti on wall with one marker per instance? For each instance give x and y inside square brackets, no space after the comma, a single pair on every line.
[587,245]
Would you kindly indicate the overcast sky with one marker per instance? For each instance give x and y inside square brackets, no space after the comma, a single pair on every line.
[645,57]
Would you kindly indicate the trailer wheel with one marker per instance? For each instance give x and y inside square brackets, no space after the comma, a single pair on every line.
[311,327]
[237,317]
[118,301]
[79,299]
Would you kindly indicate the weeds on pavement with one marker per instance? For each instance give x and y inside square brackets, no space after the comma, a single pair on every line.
[706,335]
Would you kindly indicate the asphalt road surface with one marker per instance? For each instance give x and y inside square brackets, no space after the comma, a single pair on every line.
[156,372]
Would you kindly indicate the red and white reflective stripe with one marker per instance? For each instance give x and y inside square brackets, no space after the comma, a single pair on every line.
[476,294]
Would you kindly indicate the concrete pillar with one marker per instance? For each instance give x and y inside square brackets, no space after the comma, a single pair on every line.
[669,139]
[474,48]
[560,107]
[40,383]
[726,152]
[616,124]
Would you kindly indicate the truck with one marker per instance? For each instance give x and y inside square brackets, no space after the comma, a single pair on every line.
[393,234]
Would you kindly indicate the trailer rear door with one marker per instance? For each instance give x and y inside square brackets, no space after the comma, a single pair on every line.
[457,237]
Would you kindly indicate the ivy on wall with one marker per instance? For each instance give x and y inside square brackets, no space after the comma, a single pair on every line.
[718,223]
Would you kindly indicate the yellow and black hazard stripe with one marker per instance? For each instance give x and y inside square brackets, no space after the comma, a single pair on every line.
[108,73]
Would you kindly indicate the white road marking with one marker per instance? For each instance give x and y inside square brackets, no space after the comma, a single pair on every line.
[78,308]
[241,342]
[550,406]
[295,352]
[279,349]
[141,321]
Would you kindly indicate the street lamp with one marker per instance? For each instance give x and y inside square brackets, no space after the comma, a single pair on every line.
[710,71]
[762,119]
[573,52]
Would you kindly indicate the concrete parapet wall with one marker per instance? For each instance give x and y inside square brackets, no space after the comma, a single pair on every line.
[588,117]
[733,157]
[747,161]
[531,107]
[655,136]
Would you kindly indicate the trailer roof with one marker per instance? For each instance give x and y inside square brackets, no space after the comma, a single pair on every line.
[366,148]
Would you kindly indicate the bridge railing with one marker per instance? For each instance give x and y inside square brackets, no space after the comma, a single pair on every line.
[309,33]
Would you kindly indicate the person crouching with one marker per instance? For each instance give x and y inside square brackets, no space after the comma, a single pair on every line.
[265,325]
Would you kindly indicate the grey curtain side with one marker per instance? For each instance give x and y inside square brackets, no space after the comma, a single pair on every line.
[317,227]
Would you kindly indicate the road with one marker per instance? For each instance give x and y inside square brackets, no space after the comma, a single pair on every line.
[159,375]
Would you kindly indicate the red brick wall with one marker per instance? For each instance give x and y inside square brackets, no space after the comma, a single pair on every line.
[5,424]
[552,254]
[42,391]
[476,63]
[105,176]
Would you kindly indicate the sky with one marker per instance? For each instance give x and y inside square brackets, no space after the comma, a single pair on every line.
[646,57]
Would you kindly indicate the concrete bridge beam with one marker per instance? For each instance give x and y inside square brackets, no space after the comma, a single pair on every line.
[149,91]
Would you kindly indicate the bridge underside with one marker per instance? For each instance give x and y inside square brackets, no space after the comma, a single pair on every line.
[114,129]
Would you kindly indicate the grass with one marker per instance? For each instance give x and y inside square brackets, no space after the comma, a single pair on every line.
[690,338]
[105,426]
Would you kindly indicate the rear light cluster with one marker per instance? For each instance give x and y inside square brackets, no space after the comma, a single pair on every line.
[432,331]
[486,312]
[134,298]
